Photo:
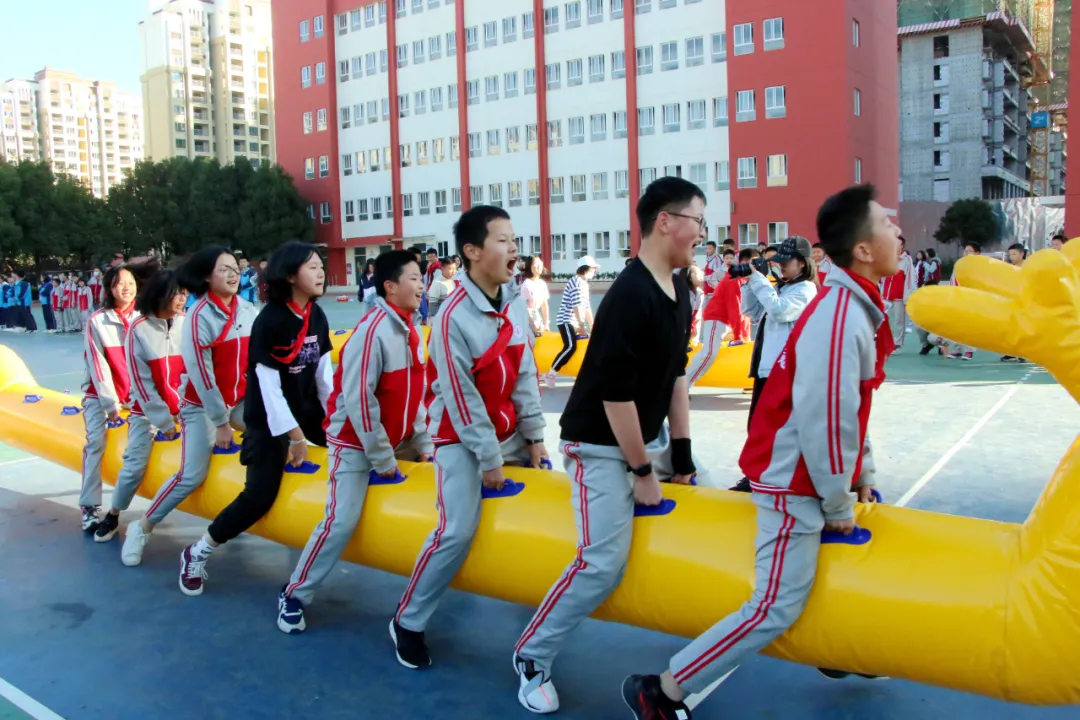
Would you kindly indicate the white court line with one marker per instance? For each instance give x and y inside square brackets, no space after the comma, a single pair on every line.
[922,482]
[27,704]
[692,701]
[19,461]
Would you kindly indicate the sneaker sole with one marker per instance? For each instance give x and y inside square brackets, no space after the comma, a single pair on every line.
[393,636]
[837,676]
[186,591]
[131,562]
[291,629]
[105,538]
[628,698]
[521,698]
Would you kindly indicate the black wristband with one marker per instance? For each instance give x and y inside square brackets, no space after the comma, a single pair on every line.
[682,461]
[642,471]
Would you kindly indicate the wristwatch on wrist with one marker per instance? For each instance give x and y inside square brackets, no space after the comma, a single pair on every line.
[642,471]
[532,442]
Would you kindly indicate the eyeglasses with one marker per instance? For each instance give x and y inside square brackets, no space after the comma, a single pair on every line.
[700,220]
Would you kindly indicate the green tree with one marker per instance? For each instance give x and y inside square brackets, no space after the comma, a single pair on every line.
[968,220]
[10,231]
[272,212]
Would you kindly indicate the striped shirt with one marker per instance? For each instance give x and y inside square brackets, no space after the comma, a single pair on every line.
[574,295]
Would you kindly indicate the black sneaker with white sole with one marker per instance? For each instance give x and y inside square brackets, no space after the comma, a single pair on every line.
[91,517]
[645,698]
[411,649]
[107,528]
[536,692]
[290,616]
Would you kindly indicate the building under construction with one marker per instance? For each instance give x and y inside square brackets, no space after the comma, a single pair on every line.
[982,103]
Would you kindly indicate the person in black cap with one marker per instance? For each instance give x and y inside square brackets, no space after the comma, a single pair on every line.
[775,311]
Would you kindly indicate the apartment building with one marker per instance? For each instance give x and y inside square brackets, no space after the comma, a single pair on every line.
[207,81]
[19,139]
[84,128]
[562,112]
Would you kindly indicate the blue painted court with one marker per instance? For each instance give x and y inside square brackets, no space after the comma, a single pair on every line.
[88,638]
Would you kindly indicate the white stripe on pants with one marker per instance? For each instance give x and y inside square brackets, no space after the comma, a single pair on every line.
[712,332]
[458,486]
[95,418]
[786,550]
[350,471]
[198,445]
[896,311]
[136,457]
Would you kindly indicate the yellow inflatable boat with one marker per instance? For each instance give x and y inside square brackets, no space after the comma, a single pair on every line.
[730,370]
[979,606]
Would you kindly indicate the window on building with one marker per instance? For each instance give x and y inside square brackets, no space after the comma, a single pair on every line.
[406,205]
[376,208]
[320,73]
[772,31]
[556,189]
[495,194]
[551,19]
[646,121]
[514,193]
[618,121]
[305,33]
[403,106]
[644,60]
[527,26]
[858,171]
[941,190]
[513,139]
[308,128]
[510,84]
[720,112]
[672,118]
[343,24]
[624,244]
[555,133]
[577,130]
[321,122]
[778,232]
[318,26]
[775,101]
[695,114]
[491,88]
[745,109]
[494,142]
[531,137]
[530,81]
[622,183]
[573,72]
[305,76]
[744,39]
[554,76]
[697,175]
[326,215]
[472,38]
[723,175]
[581,245]
[941,47]
[491,33]
[747,172]
[324,165]
[600,185]
[695,51]
[350,211]
[598,127]
[748,235]
[309,168]
[405,153]
[595,10]
[558,247]
[618,65]
[440,202]
[596,68]
[669,56]
[509,29]
[346,164]
[776,170]
[858,102]
[451,43]
[855,40]
[573,14]
[719,47]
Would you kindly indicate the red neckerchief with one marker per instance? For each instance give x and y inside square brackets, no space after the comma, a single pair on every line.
[230,312]
[125,316]
[885,343]
[414,337]
[291,351]
[502,341]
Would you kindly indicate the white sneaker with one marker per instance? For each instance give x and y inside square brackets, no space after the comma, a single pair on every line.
[135,540]
[536,692]
[549,378]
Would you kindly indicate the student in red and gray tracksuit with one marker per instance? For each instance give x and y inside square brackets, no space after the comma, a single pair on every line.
[106,386]
[807,451]
[723,312]
[375,417]
[896,290]
[154,367]
[485,412]
[214,348]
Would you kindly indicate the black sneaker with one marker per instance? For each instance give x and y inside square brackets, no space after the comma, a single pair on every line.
[91,517]
[642,694]
[926,348]
[742,486]
[412,651]
[107,528]
[840,675]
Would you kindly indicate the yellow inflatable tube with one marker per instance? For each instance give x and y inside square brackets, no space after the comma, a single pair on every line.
[973,605]
[730,370]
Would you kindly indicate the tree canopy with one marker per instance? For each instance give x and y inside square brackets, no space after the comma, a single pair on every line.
[171,208]
[971,219]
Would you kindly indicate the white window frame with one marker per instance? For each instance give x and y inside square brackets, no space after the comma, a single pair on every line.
[747,167]
[745,106]
[772,33]
[775,101]
[743,39]
[695,51]
[776,170]
[669,56]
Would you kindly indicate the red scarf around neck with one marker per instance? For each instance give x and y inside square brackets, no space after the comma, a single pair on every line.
[230,312]
[291,351]
[502,340]
[125,315]
[414,336]
[883,337]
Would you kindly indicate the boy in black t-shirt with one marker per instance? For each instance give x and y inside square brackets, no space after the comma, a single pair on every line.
[633,376]
[289,378]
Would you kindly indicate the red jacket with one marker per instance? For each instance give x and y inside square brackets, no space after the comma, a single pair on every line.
[726,306]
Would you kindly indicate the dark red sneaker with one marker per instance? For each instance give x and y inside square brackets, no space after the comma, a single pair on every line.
[642,694]
[192,572]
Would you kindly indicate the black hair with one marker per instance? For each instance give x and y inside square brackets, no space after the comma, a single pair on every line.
[843,220]
[140,271]
[448,260]
[728,251]
[528,267]
[1020,247]
[711,243]
[770,248]
[1060,236]
[903,241]
[747,254]
[729,240]
[668,194]
[974,246]
[20,274]
[931,252]
[285,263]
[818,245]
[369,263]
[432,251]
[194,273]
[158,292]
[628,261]
[582,269]
[389,267]
[472,227]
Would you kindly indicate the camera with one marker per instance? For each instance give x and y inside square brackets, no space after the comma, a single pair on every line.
[744,270]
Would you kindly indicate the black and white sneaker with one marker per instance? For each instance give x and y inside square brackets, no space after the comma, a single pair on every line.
[536,692]
[107,528]
[411,649]
[742,486]
[643,695]
[91,517]
[290,614]
[840,675]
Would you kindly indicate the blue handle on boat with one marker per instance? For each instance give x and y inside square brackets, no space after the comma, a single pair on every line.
[32,398]
[116,423]
[305,468]
[582,337]
[545,464]
[664,508]
[877,496]
[231,450]
[340,332]
[70,410]
[160,437]
[510,489]
[374,478]
[858,536]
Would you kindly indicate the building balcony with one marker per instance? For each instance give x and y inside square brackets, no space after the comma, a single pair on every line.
[1009,97]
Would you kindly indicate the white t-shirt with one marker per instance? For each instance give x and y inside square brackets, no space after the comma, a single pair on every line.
[535,292]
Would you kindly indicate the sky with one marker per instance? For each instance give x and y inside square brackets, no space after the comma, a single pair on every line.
[96,39]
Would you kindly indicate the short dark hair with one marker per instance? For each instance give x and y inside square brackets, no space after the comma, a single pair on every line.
[529,267]
[158,292]
[432,251]
[1061,236]
[285,262]
[1020,247]
[974,246]
[729,241]
[668,194]
[140,271]
[843,220]
[472,227]
[903,241]
[194,272]
[711,243]
[747,254]
[769,249]
[389,267]
[728,251]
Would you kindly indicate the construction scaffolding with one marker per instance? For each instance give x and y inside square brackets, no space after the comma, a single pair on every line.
[917,12]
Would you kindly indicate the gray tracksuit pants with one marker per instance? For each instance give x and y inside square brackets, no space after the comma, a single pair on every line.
[602,496]
[198,445]
[347,487]
[96,420]
[896,312]
[457,478]
[136,457]
[786,550]
[712,340]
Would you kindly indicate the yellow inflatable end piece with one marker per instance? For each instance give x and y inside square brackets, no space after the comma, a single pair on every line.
[731,369]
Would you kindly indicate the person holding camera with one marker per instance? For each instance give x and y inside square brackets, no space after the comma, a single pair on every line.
[775,309]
